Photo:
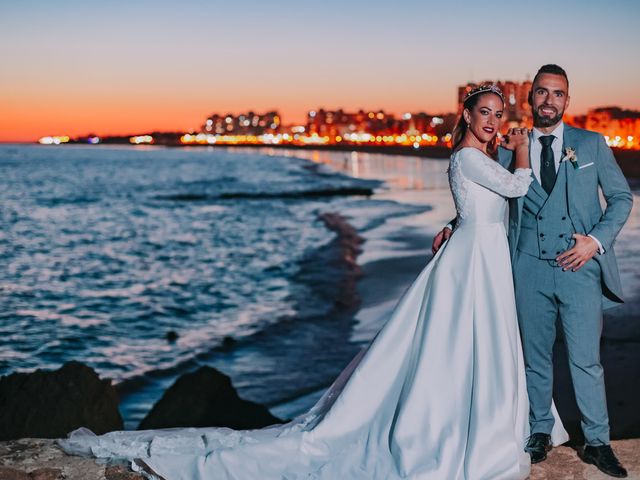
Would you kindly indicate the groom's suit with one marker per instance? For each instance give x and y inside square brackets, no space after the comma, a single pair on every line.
[540,227]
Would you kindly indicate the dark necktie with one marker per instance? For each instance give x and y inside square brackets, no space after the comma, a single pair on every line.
[547,164]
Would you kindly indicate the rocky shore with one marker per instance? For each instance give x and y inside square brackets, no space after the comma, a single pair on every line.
[201,398]
[50,404]
[42,459]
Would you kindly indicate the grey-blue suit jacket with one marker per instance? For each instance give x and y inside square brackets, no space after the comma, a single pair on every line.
[596,168]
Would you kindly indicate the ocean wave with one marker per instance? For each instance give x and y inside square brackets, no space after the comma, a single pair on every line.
[64,319]
[314,193]
[56,201]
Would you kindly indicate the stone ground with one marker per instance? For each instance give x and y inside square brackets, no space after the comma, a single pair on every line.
[563,463]
[41,459]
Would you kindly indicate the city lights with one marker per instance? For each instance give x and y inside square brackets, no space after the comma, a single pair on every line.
[411,130]
[141,139]
[54,140]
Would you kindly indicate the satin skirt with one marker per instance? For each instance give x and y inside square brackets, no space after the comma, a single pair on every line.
[438,394]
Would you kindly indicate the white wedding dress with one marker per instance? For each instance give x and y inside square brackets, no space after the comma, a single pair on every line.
[439,394]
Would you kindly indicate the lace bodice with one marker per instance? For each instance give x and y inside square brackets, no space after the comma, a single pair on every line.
[481,186]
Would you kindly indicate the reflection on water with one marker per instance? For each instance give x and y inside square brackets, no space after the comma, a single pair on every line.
[398,171]
[418,173]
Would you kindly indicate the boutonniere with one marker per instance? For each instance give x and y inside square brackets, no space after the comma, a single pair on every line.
[570,154]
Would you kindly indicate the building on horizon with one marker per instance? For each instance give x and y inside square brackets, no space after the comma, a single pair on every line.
[334,123]
[249,123]
[338,123]
[620,127]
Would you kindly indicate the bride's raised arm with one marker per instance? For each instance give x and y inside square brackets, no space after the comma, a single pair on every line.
[483,170]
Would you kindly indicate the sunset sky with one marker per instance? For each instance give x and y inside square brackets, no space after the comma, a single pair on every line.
[123,66]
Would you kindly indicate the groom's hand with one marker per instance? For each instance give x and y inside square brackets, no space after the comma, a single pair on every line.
[583,251]
[439,239]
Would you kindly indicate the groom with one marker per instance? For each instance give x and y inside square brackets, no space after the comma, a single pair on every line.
[564,265]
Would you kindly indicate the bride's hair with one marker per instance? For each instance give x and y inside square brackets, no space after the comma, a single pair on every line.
[461,127]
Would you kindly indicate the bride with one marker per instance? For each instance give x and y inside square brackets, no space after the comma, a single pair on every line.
[440,391]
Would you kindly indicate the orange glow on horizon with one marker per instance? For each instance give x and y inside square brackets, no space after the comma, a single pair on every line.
[58,112]
[27,119]
[128,68]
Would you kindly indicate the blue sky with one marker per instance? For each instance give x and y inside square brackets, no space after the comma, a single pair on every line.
[202,56]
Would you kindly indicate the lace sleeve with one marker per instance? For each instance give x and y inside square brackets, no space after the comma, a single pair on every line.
[480,169]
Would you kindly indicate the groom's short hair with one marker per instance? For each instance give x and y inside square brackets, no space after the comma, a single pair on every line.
[553,69]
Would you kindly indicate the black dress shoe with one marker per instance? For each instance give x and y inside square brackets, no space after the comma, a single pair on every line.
[538,446]
[604,458]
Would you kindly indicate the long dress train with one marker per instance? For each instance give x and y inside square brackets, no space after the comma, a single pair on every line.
[438,394]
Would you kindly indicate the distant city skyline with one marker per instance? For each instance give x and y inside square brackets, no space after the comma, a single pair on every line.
[73,68]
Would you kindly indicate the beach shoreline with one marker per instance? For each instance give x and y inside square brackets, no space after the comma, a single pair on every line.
[628,160]
[385,260]
[395,253]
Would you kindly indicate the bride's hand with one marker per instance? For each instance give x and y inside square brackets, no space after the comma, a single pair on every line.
[516,137]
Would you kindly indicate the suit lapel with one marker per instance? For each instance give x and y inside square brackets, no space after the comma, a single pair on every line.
[536,187]
[520,200]
[569,140]
[535,184]
[515,207]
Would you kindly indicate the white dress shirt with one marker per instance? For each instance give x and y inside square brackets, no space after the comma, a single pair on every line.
[535,152]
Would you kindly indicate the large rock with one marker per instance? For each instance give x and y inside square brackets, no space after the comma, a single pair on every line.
[206,398]
[50,404]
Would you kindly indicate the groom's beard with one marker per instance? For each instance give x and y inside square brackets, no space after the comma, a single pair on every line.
[543,121]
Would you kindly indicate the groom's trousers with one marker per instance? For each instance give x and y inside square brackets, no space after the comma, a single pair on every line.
[544,293]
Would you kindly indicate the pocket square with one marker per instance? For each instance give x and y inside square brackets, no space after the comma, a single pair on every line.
[585,166]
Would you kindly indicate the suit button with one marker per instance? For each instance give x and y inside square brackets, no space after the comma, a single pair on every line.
[543,252]
[561,235]
[557,253]
[541,235]
[540,217]
[564,218]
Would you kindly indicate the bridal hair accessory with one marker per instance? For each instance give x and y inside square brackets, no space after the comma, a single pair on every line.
[570,154]
[488,87]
